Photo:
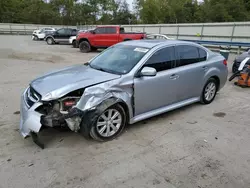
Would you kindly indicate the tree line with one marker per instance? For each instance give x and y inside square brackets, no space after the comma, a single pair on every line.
[81,12]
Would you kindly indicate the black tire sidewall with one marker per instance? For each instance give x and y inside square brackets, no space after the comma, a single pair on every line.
[101,138]
[85,47]
[234,68]
[203,98]
[74,44]
[51,40]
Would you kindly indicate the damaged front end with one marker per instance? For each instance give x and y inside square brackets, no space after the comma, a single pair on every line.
[36,113]
[77,110]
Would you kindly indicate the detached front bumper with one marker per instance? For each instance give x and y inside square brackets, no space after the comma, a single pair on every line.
[29,118]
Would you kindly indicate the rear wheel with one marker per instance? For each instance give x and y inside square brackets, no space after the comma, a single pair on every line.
[235,67]
[85,47]
[209,91]
[50,41]
[74,43]
[109,124]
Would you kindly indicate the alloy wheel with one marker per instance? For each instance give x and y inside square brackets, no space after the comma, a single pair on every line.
[109,123]
[210,91]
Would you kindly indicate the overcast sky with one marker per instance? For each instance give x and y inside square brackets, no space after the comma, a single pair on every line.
[130,3]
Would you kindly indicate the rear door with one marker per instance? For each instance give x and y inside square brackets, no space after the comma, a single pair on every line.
[61,34]
[190,69]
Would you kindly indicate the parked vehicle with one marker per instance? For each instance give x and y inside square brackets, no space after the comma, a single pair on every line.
[72,39]
[60,36]
[243,74]
[158,36]
[126,83]
[239,59]
[105,36]
[40,34]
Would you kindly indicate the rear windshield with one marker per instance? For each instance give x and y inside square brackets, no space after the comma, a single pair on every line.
[118,59]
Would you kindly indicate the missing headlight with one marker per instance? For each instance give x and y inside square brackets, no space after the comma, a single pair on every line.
[67,103]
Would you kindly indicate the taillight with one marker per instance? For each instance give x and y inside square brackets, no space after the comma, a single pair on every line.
[225,62]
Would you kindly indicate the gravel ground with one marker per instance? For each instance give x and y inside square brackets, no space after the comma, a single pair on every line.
[194,147]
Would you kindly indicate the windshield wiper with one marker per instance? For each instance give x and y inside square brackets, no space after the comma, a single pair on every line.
[104,70]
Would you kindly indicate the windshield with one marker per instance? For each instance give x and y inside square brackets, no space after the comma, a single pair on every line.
[118,59]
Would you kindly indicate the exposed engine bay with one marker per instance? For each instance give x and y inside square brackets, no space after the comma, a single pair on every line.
[59,112]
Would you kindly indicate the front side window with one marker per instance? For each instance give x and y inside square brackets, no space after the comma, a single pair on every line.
[110,30]
[163,59]
[100,30]
[187,55]
[119,59]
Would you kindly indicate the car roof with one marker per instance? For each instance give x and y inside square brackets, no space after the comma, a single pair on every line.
[152,43]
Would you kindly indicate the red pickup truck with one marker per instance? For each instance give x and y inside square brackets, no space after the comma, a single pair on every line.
[105,36]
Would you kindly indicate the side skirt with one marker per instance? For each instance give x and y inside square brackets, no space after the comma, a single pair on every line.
[164,109]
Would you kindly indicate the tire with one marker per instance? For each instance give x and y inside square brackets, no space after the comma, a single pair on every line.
[99,130]
[36,38]
[208,93]
[50,41]
[234,68]
[127,39]
[85,47]
[74,43]
[93,49]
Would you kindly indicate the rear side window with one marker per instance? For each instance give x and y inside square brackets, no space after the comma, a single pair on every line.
[163,59]
[122,30]
[110,30]
[202,54]
[187,55]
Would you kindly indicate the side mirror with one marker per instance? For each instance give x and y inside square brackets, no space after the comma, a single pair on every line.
[148,71]
[92,31]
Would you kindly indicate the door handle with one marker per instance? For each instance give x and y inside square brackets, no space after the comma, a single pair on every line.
[174,76]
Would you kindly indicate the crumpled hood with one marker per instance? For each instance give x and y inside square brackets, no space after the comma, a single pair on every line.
[242,56]
[59,83]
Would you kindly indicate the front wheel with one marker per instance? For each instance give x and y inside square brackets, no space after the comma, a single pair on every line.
[109,124]
[85,47]
[209,91]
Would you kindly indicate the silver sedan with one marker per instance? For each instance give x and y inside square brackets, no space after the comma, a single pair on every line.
[124,84]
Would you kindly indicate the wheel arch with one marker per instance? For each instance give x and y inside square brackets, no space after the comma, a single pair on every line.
[84,39]
[90,116]
[217,80]
[49,36]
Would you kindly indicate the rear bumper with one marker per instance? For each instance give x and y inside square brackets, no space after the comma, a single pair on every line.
[40,36]
[29,118]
